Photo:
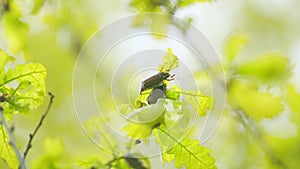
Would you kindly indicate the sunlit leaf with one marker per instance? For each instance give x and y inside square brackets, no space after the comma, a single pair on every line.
[25,86]
[3,164]
[6,151]
[53,153]
[169,61]
[200,102]
[245,96]
[234,46]
[142,99]
[293,98]
[187,153]
[159,24]
[91,162]
[267,67]
[15,30]
[148,118]
[95,128]
[38,4]
[4,58]
[173,93]
[183,3]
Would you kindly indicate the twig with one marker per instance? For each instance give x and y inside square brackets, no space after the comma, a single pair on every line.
[12,141]
[257,133]
[31,135]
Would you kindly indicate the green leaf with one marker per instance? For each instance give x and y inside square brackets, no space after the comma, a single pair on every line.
[191,155]
[187,153]
[245,95]
[267,67]
[173,93]
[38,4]
[199,102]
[293,98]
[25,86]
[6,152]
[142,99]
[95,128]
[234,46]
[4,58]
[169,61]
[159,24]
[91,162]
[53,154]
[183,3]
[15,30]
[30,89]
[3,164]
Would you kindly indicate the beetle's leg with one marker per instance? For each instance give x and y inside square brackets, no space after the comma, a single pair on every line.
[171,78]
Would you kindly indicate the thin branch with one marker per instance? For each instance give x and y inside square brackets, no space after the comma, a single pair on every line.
[254,130]
[12,141]
[31,135]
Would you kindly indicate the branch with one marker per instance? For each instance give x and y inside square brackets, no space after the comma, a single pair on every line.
[254,130]
[12,141]
[31,135]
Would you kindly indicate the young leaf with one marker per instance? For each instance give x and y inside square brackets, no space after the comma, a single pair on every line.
[200,102]
[4,58]
[234,46]
[183,3]
[187,153]
[38,4]
[293,98]
[15,30]
[3,164]
[54,151]
[191,155]
[245,96]
[95,128]
[30,82]
[173,93]
[6,151]
[169,61]
[261,68]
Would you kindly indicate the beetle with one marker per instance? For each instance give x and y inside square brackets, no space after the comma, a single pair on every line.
[155,80]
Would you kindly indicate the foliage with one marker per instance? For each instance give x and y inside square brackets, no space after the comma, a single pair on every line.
[54,153]
[161,15]
[184,152]
[22,88]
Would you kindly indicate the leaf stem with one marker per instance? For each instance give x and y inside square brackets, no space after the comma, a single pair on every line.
[31,135]
[12,141]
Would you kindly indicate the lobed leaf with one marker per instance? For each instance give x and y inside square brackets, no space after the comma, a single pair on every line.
[169,61]
[190,154]
[187,153]
[199,102]
[234,46]
[25,87]
[245,96]
[278,70]
[7,154]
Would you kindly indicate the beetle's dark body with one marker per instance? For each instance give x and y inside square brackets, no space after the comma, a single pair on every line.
[154,81]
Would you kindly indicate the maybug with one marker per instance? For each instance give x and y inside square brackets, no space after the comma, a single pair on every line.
[155,80]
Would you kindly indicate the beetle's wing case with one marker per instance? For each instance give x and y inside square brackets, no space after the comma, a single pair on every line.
[151,82]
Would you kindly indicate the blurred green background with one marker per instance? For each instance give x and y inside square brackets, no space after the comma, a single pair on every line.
[257,41]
